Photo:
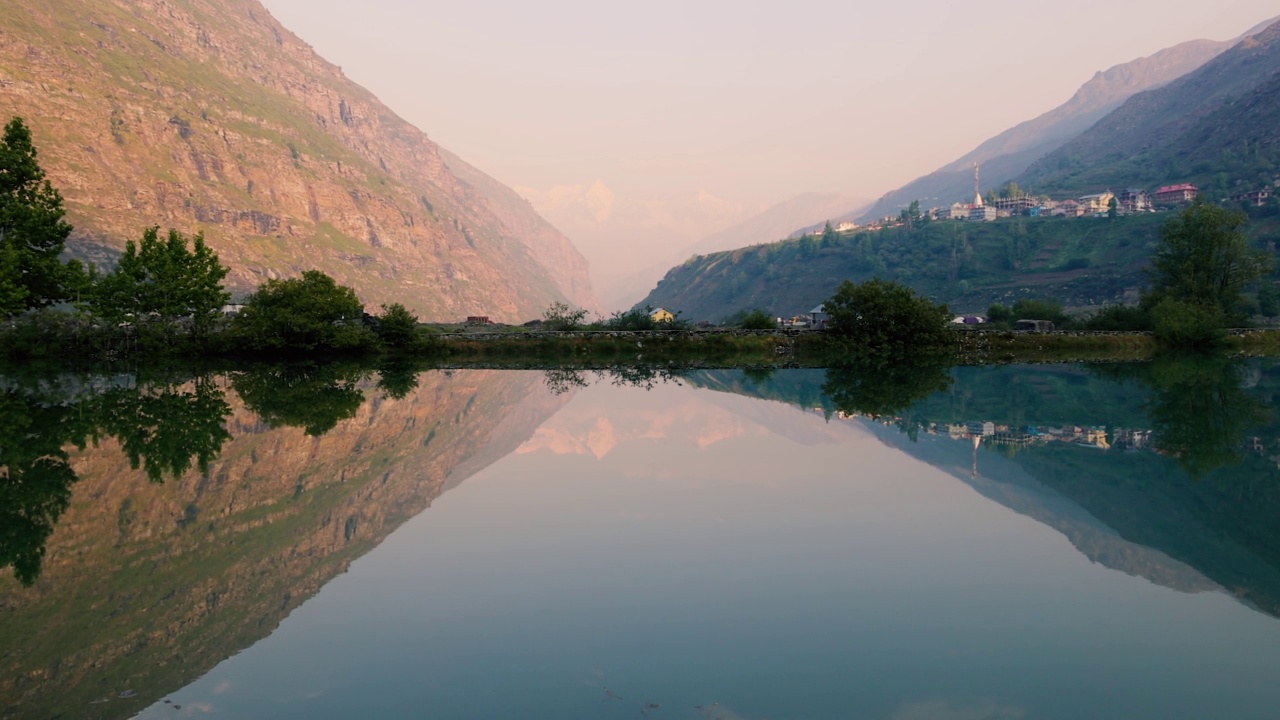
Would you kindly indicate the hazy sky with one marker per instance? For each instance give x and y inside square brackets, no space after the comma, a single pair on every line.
[748,100]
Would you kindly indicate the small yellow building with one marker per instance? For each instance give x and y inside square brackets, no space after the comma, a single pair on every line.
[661,316]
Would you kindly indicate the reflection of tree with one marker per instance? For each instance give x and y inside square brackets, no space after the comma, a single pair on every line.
[163,429]
[885,389]
[397,378]
[312,397]
[1200,413]
[35,477]
[561,380]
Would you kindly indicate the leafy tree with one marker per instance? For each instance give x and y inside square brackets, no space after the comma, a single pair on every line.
[165,279]
[1269,300]
[1113,208]
[758,320]
[397,327]
[881,318]
[32,232]
[560,316]
[1204,260]
[308,313]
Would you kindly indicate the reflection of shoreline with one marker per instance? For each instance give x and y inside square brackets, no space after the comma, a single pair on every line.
[1003,481]
[152,585]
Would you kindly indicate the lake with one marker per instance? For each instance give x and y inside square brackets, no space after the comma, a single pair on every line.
[332,541]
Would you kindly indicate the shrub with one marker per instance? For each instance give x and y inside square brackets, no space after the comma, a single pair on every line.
[880,318]
[559,316]
[397,327]
[1181,324]
[300,314]
[758,320]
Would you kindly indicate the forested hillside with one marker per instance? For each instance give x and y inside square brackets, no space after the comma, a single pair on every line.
[1085,261]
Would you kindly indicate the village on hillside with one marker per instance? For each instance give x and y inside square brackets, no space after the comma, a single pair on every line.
[1012,202]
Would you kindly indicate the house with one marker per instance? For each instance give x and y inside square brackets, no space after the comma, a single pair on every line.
[661,316]
[846,227]
[818,317]
[1016,205]
[1257,198]
[1099,203]
[983,213]
[478,320]
[1176,194]
[1068,208]
[231,309]
[1134,200]
[967,320]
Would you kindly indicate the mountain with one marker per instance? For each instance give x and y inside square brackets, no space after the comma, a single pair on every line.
[1216,120]
[208,115]
[146,586]
[1010,153]
[767,226]
[620,232]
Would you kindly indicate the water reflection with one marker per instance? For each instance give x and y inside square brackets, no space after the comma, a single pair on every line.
[232,499]
[312,396]
[1200,412]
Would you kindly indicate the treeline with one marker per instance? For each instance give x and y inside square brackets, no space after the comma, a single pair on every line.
[166,293]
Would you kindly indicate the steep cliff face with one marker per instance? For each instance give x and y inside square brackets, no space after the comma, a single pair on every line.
[145,587]
[209,115]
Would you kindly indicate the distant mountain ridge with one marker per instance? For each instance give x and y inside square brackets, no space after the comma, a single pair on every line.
[208,115]
[1189,129]
[767,226]
[1007,155]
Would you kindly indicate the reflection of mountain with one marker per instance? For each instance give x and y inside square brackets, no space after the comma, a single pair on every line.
[699,420]
[147,586]
[1134,511]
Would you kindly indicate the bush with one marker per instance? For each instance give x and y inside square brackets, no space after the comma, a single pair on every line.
[397,327]
[560,316]
[1119,318]
[1181,324]
[301,314]
[880,318]
[758,320]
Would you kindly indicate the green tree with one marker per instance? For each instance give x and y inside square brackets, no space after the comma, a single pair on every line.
[561,316]
[758,320]
[1204,260]
[398,328]
[32,232]
[882,318]
[164,279]
[1113,208]
[301,314]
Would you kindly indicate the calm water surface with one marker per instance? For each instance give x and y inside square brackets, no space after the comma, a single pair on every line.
[1037,542]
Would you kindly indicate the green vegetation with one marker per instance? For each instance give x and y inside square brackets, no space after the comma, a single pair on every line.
[998,316]
[32,232]
[165,282]
[301,314]
[886,320]
[758,320]
[560,316]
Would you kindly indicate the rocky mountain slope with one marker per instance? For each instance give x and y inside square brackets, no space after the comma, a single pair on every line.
[209,115]
[1008,154]
[1189,130]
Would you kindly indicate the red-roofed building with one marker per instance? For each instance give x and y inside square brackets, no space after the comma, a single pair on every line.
[1176,194]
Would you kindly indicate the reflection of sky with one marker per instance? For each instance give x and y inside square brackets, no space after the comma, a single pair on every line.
[778,578]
